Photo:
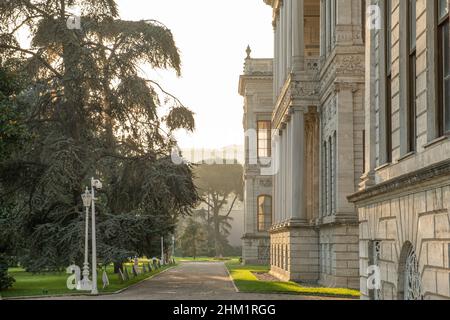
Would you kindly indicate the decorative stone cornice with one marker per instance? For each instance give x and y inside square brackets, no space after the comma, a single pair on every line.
[254,236]
[276,5]
[299,90]
[289,224]
[436,171]
[255,69]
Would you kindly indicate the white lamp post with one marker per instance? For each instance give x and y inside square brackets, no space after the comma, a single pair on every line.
[173,246]
[95,184]
[162,250]
[85,282]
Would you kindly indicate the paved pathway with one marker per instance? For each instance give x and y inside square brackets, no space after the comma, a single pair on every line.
[190,281]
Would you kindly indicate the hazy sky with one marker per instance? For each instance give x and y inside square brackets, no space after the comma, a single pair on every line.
[212,36]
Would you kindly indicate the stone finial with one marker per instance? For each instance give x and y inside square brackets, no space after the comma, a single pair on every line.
[249,51]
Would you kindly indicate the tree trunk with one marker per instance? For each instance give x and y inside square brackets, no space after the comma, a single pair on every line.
[118,266]
[217,234]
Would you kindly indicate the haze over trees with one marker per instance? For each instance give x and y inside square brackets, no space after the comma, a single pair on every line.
[220,186]
[193,240]
[85,109]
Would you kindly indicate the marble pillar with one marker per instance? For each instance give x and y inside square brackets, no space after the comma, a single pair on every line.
[289,168]
[298,165]
[289,36]
[298,34]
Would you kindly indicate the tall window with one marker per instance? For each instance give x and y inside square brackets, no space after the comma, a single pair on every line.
[264,139]
[324,179]
[388,83]
[411,105]
[333,22]
[443,67]
[328,22]
[264,213]
[330,176]
[363,19]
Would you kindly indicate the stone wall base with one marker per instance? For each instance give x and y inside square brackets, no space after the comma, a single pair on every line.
[327,255]
[255,250]
[339,256]
[419,220]
[295,254]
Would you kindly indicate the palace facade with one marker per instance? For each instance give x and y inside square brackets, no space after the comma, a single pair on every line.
[404,197]
[361,125]
[319,118]
[255,86]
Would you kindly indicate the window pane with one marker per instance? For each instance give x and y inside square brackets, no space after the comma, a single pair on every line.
[412,104]
[412,23]
[446,75]
[447,105]
[446,49]
[443,8]
[388,18]
[264,213]
[264,139]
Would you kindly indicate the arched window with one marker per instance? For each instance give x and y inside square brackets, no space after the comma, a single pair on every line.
[409,278]
[264,213]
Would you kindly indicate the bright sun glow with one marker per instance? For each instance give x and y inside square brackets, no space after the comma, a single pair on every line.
[212,36]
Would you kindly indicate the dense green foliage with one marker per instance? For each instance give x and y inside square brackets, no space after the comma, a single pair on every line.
[12,136]
[193,239]
[206,236]
[88,111]
[12,132]
[6,280]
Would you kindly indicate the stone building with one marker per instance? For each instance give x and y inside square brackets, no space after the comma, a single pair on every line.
[318,116]
[404,197]
[255,86]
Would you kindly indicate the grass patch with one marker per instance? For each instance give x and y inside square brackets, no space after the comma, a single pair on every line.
[246,281]
[50,284]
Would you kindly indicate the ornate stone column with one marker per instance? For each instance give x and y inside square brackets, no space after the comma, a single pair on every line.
[327,26]
[290,26]
[368,178]
[345,162]
[276,187]
[322,30]
[275,64]
[298,35]
[298,164]
[282,167]
[283,21]
[289,168]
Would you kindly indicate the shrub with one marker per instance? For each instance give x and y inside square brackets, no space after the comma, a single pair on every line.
[6,281]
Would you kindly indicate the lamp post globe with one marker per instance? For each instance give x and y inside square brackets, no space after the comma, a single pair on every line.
[87,198]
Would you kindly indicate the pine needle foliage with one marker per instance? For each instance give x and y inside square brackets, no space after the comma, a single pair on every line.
[90,111]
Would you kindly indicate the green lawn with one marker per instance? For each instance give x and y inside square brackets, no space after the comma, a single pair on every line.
[28,284]
[246,281]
